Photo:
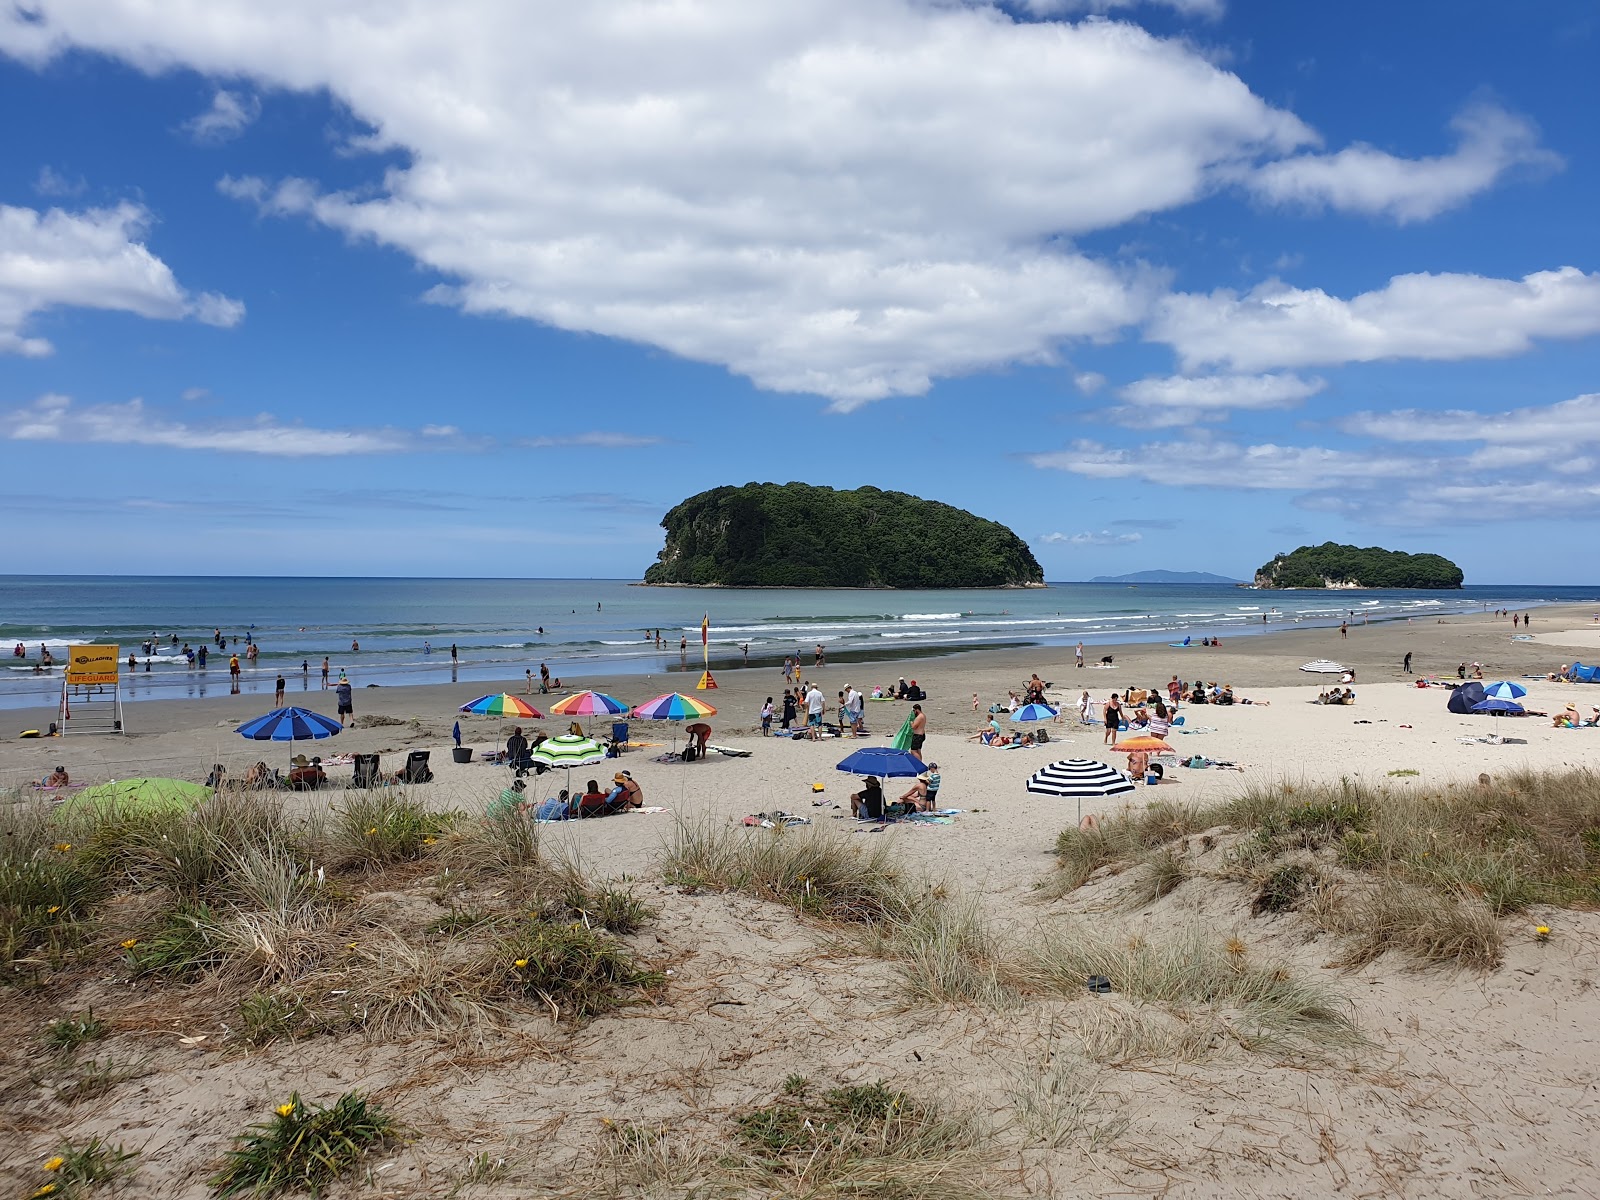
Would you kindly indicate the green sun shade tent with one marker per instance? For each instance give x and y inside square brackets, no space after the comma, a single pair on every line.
[138,795]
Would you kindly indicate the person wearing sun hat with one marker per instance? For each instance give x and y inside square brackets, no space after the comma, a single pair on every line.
[626,793]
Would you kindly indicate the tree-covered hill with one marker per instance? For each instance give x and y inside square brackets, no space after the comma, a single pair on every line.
[1333,565]
[797,535]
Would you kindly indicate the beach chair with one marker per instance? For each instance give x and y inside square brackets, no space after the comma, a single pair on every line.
[366,771]
[416,768]
[619,738]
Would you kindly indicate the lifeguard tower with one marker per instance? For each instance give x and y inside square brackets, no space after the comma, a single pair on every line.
[91,691]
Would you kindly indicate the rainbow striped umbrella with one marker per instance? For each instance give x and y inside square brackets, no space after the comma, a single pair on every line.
[589,704]
[674,706]
[502,704]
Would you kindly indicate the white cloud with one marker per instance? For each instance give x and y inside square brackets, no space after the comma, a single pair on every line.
[55,418]
[1366,180]
[90,259]
[1555,427]
[1104,538]
[51,182]
[1088,382]
[1056,8]
[1183,400]
[1438,317]
[229,115]
[849,197]
[1227,465]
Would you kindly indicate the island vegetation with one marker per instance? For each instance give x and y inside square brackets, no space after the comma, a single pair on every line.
[798,535]
[1332,565]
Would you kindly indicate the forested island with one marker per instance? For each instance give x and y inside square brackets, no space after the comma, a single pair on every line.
[797,535]
[1331,565]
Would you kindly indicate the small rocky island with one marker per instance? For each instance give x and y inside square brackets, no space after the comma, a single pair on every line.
[1331,565]
[797,535]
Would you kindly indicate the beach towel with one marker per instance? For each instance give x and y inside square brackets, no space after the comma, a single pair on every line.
[729,751]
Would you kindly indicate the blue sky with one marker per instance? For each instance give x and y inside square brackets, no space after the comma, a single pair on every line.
[483,289]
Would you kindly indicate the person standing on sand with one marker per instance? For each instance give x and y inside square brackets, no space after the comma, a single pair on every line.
[919,730]
[324,673]
[1113,718]
[1344,629]
[822,656]
[277,696]
[528,689]
[1407,663]
[347,704]
[1078,655]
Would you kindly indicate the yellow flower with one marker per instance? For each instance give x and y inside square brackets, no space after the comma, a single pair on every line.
[372,831]
[130,943]
[54,1164]
[63,846]
[54,908]
[520,963]
[45,1190]
[285,1109]
[428,841]
[350,945]
[1542,933]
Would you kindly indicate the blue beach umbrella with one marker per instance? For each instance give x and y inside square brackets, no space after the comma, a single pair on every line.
[1035,712]
[1497,708]
[884,761]
[1505,690]
[290,725]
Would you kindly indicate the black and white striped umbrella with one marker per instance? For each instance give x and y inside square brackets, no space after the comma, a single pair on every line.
[1079,777]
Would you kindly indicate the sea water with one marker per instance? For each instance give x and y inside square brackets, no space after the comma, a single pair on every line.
[406,627]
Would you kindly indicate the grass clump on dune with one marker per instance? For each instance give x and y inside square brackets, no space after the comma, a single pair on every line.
[382,827]
[818,874]
[575,971]
[1426,871]
[303,1147]
[863,1140]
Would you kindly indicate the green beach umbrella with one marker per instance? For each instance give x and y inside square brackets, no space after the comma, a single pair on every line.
[138,796]
[569,750]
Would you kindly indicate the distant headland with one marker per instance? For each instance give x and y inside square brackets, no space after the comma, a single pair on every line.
[796,535]
[1331,565]
[1167,577]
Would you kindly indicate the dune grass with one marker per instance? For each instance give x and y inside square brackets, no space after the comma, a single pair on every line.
[1429,869]
[865,1140]
[303,1147]
[815,872]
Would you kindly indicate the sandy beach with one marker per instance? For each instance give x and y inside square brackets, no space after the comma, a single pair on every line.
[1474,1083]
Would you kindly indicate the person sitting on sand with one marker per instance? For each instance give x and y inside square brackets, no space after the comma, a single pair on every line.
[306,776]
[1567,718]
[509,803]
[1592,721]
[218,779]
[923,790]
[56,779]
[258,776]
[867,804]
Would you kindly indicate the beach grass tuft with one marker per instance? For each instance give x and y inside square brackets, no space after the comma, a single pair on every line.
[76,1169]
[69,1034]
[303,1147]
[574,971]
[862,1140]
[383,826]
[817,873]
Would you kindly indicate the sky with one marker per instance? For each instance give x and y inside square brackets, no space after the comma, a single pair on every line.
[357,287]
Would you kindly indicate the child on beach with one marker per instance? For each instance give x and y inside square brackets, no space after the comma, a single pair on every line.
[766,718]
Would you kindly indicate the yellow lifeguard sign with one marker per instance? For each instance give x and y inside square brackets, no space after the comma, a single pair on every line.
[92,664]
[706,683]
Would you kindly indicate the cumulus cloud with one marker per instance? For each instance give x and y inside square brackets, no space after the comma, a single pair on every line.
[1104,538]
[229,115]
[1184,400]
[847,197]
[55,418]
[1226,465]
[1363,179]
[1423,316]
[90,259]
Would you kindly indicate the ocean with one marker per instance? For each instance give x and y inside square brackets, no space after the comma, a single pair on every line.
[579,627]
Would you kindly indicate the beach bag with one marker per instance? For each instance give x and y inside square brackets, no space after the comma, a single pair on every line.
[1042,736]
[690,753]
